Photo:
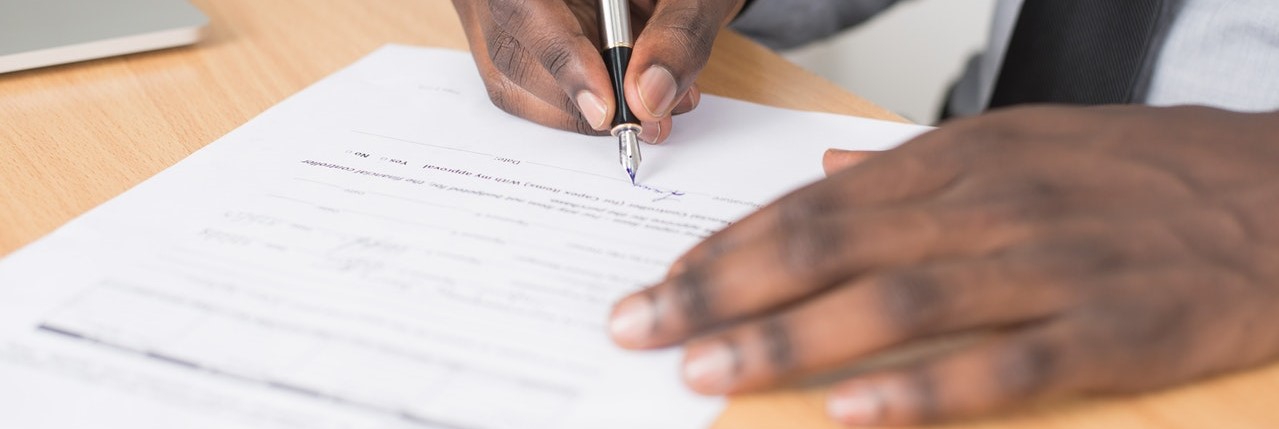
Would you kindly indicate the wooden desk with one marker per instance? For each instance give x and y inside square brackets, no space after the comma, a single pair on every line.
[72,137]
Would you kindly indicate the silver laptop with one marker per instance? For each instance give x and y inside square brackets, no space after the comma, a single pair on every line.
[39,33]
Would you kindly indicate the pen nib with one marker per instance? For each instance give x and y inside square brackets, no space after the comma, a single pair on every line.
[628,151]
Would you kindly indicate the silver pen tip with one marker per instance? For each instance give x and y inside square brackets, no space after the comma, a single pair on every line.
[628,148]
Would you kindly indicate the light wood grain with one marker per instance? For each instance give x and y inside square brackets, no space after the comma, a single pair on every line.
[72,137]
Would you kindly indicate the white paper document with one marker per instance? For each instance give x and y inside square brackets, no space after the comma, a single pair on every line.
[386,249]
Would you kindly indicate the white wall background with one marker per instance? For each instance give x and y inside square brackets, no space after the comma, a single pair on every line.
[906,58]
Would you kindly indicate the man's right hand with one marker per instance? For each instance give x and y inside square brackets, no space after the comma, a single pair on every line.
[540,59]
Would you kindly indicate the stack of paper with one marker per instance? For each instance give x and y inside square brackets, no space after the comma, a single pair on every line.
[386,249]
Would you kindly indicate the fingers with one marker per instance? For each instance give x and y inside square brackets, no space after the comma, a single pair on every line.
[554,37]
[671,50]
[513,99]
[889,178]
[534,55]
[656,133]
[874,313]
[1133,325]
[690,101]
[835,160]
[807,252]
[998,373]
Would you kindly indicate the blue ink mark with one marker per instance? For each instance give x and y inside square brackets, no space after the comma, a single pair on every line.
[669,195]
[663,194]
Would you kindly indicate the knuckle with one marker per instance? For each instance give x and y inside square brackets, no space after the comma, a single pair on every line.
[692,298]
[1146,322]
[779,347]
[507,55]
[555,56]
[709,250]
[1026,368]
[926,407]
[717,247]
[522,41]
[1121,334]
[914,302]
[810,242]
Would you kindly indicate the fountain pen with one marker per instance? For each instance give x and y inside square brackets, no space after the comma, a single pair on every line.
[615,23]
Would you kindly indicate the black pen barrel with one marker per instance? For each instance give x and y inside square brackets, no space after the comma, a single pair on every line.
[616,59]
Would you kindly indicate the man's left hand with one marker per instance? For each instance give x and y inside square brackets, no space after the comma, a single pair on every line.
[1111,249]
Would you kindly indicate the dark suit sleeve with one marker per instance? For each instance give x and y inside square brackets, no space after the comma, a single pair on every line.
[782,24]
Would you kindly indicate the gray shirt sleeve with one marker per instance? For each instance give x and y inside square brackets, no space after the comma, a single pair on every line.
[782,24]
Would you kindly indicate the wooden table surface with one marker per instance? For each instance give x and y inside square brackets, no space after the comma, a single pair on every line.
[72,137]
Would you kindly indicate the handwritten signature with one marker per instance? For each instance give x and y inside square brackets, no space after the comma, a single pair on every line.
[663,194]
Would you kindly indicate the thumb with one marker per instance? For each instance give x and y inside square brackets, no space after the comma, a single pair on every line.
[835,160]
[671,50]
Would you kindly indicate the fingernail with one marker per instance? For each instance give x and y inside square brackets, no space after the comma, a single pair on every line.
[688,102]
[858,406]
[592,108]
[651,133]
[709,368]
[632,322]
[838,159]
[657,91]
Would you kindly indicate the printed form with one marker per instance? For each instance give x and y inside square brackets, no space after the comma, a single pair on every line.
[386,249]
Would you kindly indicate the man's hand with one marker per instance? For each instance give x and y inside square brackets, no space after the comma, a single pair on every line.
[1110,249]
[540,59]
